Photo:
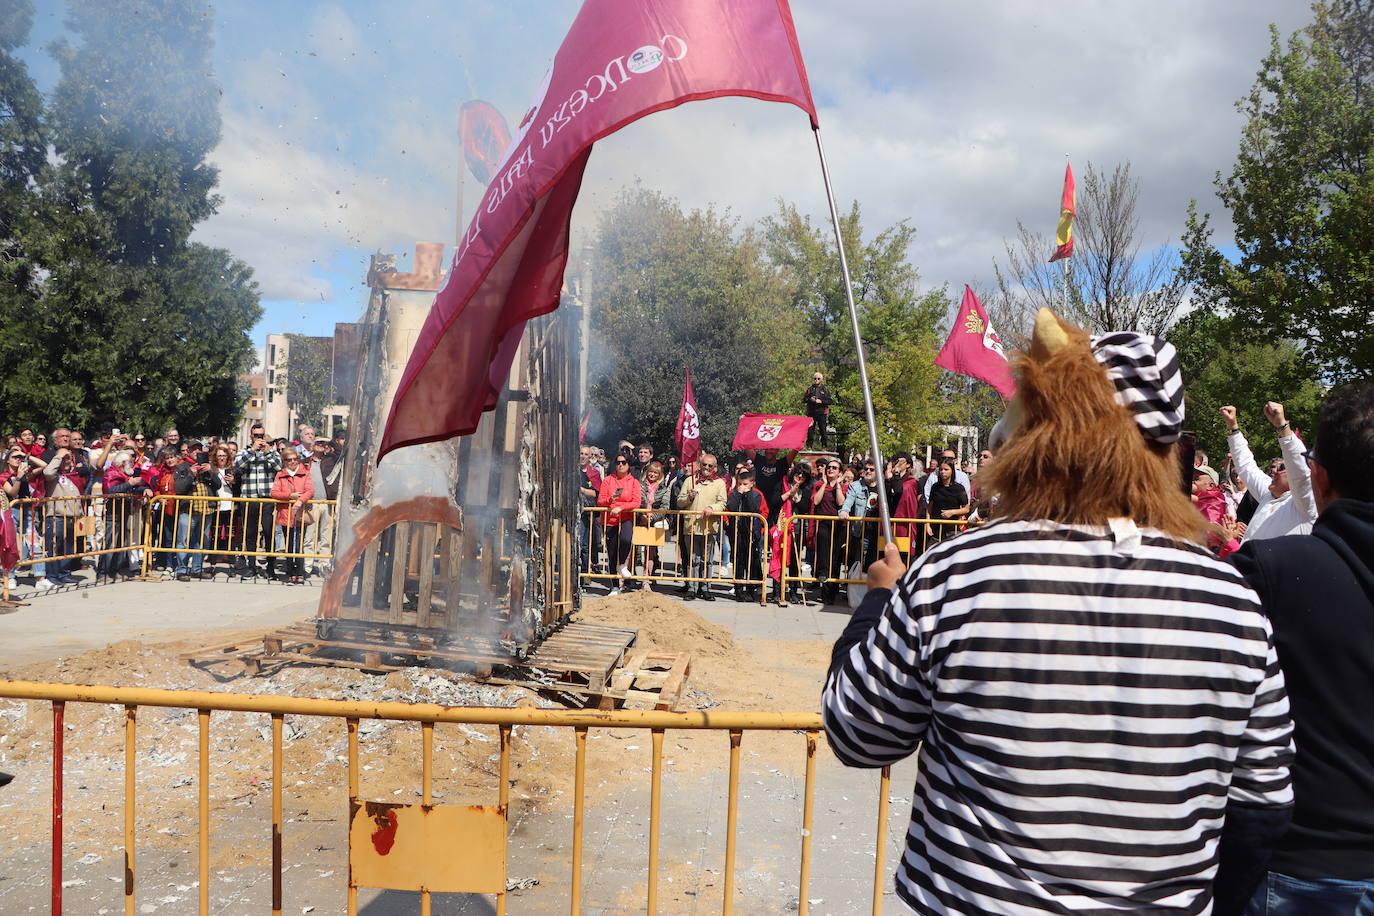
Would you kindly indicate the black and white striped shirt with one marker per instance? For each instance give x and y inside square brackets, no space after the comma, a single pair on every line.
[1088,701]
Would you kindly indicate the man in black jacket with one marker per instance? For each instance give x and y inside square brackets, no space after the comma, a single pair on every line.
[817,401]
[1318,591]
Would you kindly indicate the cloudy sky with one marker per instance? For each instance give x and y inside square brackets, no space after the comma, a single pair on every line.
[339,123]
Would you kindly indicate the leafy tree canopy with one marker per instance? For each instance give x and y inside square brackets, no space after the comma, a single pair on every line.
[112,313]
[753,311]
[899,324]
[309,373]
[1222,364]
[673,290]
[1300,195]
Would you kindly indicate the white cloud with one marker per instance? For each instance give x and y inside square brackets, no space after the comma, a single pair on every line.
[288,210]
[956,117]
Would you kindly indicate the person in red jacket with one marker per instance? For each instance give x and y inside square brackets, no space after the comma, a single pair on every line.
[621,495]
[293,491]
[1210,500]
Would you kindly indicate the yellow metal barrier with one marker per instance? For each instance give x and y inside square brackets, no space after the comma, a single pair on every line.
[240,527]
[835,546]
[484,848]
[55,531]
[697,542]
[59,530]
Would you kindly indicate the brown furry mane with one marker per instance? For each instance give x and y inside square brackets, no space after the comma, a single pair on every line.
[1077,457]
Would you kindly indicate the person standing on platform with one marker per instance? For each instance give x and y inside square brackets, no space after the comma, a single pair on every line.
[817,401]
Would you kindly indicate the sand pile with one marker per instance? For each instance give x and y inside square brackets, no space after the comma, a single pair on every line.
[726,674]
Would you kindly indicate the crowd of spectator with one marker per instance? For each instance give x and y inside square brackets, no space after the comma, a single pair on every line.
[206,505]
[732,510]
[721,516]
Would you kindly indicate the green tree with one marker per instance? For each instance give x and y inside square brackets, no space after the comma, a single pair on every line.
[1221,364]
[309,377]
[134,323]
[1300,195]
[673,290]
[23,153]
[899,325]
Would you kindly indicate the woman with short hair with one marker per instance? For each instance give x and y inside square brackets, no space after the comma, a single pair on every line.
[293,491]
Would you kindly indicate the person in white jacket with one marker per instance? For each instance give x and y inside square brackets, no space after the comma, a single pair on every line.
[1284,491]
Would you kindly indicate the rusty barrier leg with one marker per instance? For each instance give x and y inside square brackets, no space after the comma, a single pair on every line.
[59,708]
[884,792]
[353,792]
[503,800]
[732,823]
[426,791]
[808,819]
[203,802]
[655,815]
[130,790]
[277,719]
[579,798]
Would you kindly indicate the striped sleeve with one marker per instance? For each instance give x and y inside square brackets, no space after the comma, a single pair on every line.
[876,705]
[1264,757]
[1089,703]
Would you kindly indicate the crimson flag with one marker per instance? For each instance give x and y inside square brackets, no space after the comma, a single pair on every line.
[973,348]
[1063,234]
[687,433]
[620,61]
[766,430]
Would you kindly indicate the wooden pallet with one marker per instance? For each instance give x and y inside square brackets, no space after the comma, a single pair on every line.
[579,658]
[650,678]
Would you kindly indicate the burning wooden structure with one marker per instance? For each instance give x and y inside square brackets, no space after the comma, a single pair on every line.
[471,542]
[460,552]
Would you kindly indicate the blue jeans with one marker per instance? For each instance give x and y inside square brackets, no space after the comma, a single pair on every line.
[57,539]
[1281,895]
[291,538]
[188,535]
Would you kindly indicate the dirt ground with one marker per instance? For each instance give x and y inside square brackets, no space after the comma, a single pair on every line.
[726,674]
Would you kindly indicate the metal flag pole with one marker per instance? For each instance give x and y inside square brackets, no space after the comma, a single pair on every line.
[884,513]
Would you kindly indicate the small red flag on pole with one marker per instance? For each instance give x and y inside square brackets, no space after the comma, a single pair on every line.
[687,435]
[1063,236]
[973,348]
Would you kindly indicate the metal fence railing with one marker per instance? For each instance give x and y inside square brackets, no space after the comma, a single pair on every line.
[481,832]
[736,549]
[129,535]
[192,528]
[679,546]
[818,548]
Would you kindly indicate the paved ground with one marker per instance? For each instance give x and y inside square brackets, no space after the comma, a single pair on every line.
[73,620]
[78,618]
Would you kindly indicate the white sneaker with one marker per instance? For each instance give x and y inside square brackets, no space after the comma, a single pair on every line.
[44,584]
[14,583]
[624,572]
[613,592]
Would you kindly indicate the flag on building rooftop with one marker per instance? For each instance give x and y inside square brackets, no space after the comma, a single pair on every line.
[973,348]
[620,61]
